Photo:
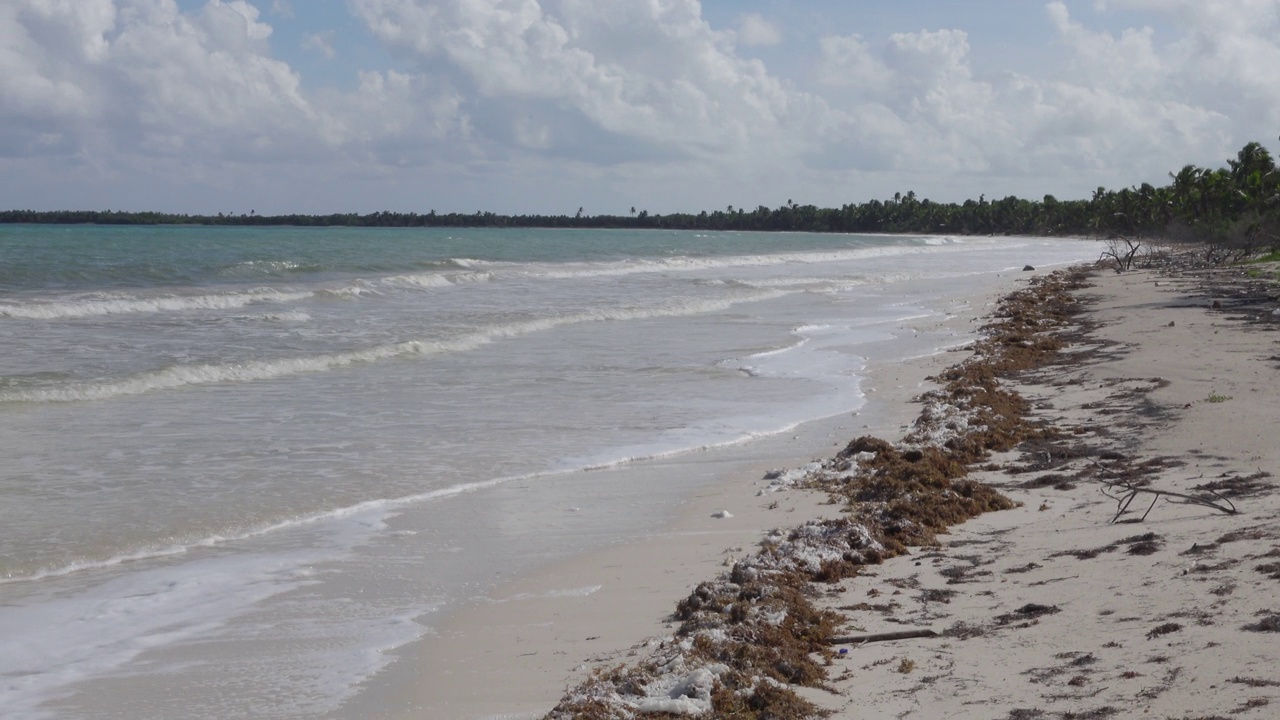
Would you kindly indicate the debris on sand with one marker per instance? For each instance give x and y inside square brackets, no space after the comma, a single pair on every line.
[749,636]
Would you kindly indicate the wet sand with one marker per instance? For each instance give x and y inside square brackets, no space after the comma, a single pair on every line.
[514,657]
[1056,608]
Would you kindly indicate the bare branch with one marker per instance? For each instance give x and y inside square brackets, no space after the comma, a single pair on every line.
[1127,491]
[881,637]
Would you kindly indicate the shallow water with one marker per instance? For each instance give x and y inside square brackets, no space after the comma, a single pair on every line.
[245,464]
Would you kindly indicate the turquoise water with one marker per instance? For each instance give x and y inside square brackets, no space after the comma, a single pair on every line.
[83,258]
[216,436]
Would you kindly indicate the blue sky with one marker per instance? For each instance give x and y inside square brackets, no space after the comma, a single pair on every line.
[668,105]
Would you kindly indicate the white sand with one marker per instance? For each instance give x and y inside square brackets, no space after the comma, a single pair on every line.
[1102,648]
[514,658]
[1106,646]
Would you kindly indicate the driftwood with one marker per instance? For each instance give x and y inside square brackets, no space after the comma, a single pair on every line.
[1126,491]
[880,637]
[1123,256]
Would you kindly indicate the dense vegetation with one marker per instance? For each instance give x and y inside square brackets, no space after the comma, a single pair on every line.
[1237,206]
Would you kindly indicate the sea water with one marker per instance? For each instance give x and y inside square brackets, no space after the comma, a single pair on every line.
[242,465]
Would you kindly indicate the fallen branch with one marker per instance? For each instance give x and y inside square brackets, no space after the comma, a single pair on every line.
[1123,256]
[880,637]
[1211,500]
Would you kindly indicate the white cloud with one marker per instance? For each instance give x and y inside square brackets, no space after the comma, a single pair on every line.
[321,42]
[632,98]
[233,25]
[1149,102]
[1119,109]
[1224,57]
[140,76]
[754,30]
[850,62]
[205,84]
[1127,62]
[911,99]
[47,53]
[652,75]
[394,119]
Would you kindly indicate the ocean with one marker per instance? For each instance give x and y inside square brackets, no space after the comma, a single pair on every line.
[242,466]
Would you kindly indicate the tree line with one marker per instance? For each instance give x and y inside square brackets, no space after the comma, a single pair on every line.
[1236,206]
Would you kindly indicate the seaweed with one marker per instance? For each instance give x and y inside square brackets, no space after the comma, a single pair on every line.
[1268,624]
[756,626]
[1164,629]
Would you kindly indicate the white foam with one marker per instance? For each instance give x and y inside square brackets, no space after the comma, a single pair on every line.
[818,354]
[691,264]
[379,507]
[790,348]
[552,594]
[351,292]
[266,267]
[436,279]
[421,280]
[286,316]
[480,271]
[179,376]
[816,357]
[45,647]
[104,304]
[58,641]
[726,432]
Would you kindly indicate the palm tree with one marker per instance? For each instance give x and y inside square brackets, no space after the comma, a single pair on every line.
[1253,161]
[1186,190]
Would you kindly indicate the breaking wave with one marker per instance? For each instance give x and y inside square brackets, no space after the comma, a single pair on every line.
[124,304]
[178,376]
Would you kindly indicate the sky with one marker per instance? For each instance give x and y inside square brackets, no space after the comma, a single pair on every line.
[547,106]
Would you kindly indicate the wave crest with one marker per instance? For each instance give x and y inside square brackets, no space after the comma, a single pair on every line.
[119,305]
[178,376]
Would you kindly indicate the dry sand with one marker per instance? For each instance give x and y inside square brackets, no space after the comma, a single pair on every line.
[1056,611]
[1049,610]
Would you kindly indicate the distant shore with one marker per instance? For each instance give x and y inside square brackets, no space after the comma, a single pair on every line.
[1160,381]
[1230,207]
[903,214]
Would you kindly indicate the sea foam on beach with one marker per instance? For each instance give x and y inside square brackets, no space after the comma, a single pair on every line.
[243,476]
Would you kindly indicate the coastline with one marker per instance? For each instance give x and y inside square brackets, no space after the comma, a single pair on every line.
[1046,610]
[355,510]
[513,657]
[1052,610]
[1061,607]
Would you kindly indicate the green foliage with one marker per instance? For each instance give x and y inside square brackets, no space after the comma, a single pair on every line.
[1263,273]
[902,214]
[1235,209]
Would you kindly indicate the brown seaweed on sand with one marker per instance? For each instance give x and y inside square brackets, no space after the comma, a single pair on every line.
[748,637]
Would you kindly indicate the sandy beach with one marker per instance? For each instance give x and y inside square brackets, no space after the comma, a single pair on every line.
[514,657]
[1056,608]
[1061,609]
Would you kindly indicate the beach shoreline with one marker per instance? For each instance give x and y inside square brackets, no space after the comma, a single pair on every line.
[1164,618]
[1085,601]
[288,540]
[513,657]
